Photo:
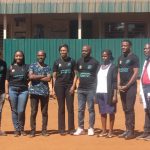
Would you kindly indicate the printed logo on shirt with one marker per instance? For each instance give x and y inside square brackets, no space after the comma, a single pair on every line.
[127,61]
[13,70]
[1,68]
[80,67]
[124,69]
[59,65]
[89,67]
[69,64]
[120,62]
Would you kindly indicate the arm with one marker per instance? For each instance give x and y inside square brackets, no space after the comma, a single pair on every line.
[74,83]
[46,78]
[6,89]
[132,80]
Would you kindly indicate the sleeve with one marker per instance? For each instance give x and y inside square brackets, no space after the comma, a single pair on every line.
[55,67]
[31,68]
[74,65]
[8,73]
[115,77]
[49,70]
[135,62]
[5,70]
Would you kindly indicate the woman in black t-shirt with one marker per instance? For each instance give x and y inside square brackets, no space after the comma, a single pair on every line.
[17,91]
[64,85]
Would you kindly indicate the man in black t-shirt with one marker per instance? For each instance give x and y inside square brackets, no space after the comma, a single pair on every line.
[128,66]
[3,70]
[87,70]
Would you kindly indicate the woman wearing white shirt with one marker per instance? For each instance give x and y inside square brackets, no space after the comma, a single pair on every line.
[106,92]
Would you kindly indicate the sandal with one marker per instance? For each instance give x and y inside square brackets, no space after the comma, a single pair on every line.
[110,135]
[103,134]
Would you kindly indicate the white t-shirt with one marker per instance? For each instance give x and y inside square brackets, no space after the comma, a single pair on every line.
[102,80]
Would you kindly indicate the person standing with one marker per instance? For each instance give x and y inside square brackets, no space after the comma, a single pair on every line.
[145,93]
[128,66]
[3,70]
[17,91]
[63,74]
[39,75]
[87,68]
[106,92]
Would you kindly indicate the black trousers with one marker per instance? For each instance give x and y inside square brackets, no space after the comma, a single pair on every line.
[34,109]
[63,94]
[128,101]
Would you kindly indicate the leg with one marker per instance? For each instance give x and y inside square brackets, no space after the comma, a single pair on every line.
[104,120]
[44,109]
[22,101]
[2,133]
[112,120]
[14,105]
[90,102]
[34,109]
[81,108]
[1,107]
[70,108]
[60,93]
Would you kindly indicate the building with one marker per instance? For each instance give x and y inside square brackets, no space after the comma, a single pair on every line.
[74,19]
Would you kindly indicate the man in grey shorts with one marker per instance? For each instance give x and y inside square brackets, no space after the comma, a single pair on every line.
[3,69]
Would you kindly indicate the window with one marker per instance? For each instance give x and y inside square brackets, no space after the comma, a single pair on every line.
[114,30]
[125,30]
[136,30]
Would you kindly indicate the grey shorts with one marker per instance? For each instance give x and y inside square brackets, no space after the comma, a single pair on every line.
[1,101]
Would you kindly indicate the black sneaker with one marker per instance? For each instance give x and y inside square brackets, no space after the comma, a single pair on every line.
[32,134]
[17,134]
[130,135]
[143,136]
[123,134]
[23,133]
[62,133]
[45,133]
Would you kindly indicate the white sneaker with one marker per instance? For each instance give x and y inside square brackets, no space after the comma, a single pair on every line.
[79,131]
[90,131]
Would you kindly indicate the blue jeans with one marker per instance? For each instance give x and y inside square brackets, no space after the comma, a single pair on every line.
[83,97]
[18,101]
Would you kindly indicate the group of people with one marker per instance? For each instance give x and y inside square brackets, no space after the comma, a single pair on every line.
[98,83]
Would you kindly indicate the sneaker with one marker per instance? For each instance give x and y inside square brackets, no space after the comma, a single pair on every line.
[23,133]
[44,133]
[102,134]
[79,131]
[147,138]
[3,133]
[130,135]
[123,134]
[90,131]
[17,133]
[32,134]
[143,136]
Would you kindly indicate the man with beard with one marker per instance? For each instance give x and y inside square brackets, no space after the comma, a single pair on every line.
[128,66]
[87,68]
[39,74]
[145,93]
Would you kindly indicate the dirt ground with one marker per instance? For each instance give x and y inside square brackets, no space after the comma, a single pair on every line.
[68,142]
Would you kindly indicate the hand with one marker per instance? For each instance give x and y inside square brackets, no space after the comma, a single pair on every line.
[123,88]
[72,89]
[114,100]
[6,96]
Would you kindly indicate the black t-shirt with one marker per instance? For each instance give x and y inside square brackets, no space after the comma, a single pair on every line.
[64,71]
[126,65]
[87,72]
[3,70]
[17,76]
